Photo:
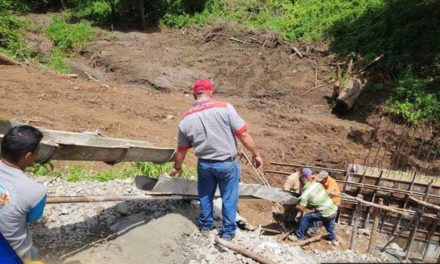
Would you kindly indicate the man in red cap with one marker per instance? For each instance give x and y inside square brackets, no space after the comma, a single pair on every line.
[210,128]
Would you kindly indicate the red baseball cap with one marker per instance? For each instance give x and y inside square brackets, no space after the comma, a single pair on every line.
[202,85]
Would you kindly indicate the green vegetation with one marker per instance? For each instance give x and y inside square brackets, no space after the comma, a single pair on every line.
[155,170]
[406,32]
[67,38]
[85,172]
[11,38]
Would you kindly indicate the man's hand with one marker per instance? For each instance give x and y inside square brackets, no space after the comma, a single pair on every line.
[176,172]
[179,157]
[258,161]
[300,208]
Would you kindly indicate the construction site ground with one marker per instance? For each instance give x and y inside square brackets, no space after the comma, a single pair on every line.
[139,84]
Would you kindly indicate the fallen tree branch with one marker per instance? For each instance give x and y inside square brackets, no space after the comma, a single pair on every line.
[244,251]
[91,77]
[237,40]
[256,40]
[308,241]
[313,88]
[369,64]
[297,52]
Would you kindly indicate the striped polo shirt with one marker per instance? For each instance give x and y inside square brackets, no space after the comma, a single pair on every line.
[209,127]
[314,196]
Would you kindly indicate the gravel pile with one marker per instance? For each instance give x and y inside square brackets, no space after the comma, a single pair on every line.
[198,249]
[65,227]
[68,227]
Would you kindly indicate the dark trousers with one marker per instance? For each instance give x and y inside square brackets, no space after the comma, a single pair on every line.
[308,220]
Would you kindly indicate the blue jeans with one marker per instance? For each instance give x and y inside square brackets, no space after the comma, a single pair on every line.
[225,174]
[309,219]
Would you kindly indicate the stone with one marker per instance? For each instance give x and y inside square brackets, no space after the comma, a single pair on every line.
[364,231]
[122,209]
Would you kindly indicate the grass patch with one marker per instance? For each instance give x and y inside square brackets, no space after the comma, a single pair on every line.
[11,35]
[85,172]
[69,37]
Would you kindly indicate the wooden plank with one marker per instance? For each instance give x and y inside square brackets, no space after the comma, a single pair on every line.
[426,204]
[399,234]
[417,222]
[374,197]
[407,197]
[309,166]
[355,224]
[373,229]
[372,187]
[430,234]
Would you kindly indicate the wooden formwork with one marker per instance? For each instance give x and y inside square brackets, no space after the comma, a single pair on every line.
[398,187]
[404,190]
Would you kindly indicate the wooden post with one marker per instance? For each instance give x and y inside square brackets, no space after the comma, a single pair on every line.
[374,228]
[406,200]
[419,213]
[356,217]
[374,197]
[431,232]
[395,236]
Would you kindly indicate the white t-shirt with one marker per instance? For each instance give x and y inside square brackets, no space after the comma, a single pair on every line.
[19,194]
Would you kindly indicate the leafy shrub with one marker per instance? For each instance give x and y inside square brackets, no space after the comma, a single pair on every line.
[57,62]
[46,169]
[413,101]
[156,170]
[11,38]
[98,11]
[69,37]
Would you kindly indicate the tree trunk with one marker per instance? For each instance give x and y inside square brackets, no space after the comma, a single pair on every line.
[351,91]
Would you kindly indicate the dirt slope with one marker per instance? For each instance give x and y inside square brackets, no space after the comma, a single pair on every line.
[144,91]
[260,77]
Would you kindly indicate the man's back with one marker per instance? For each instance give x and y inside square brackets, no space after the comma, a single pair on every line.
[209,128]
[332,187]
[18,195]
[315,196]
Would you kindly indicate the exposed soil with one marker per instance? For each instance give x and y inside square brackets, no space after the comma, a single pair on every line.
[145,84]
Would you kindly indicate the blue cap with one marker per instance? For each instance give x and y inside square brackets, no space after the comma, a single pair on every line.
[307,172]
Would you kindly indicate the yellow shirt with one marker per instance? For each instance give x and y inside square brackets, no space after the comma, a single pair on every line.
[331,186]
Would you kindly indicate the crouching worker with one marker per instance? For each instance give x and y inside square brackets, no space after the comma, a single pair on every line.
[330,186]
[292,185]
[22,200]
[315,197]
